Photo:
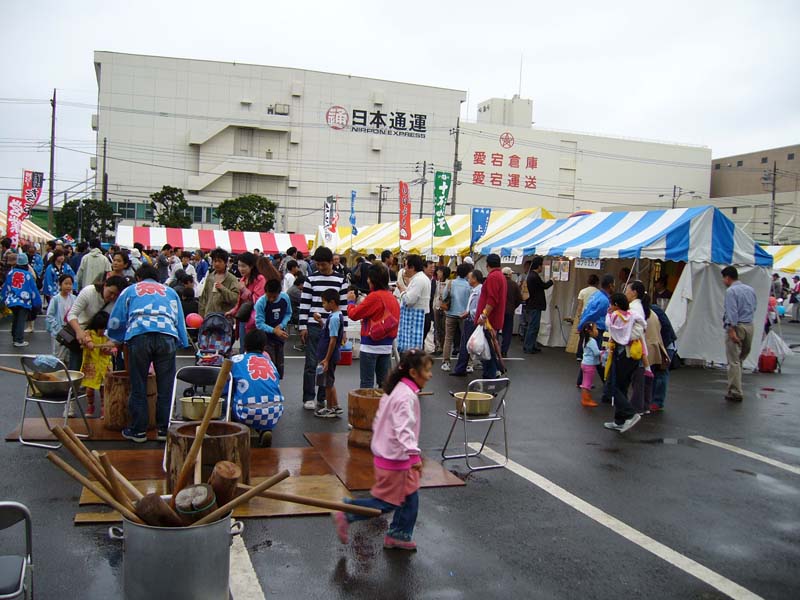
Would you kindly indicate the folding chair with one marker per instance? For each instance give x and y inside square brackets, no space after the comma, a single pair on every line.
[16,572]
[498,390]
[197,377]
[64,391]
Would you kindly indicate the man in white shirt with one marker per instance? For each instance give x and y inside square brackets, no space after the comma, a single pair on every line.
[292,271]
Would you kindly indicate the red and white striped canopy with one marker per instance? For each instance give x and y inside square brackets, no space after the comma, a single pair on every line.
[208,239]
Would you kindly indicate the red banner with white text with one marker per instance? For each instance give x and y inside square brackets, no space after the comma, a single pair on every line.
[405,212]
[15,215]
[31,189]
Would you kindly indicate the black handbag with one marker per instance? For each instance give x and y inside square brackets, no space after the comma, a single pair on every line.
[244,312]
[67,338]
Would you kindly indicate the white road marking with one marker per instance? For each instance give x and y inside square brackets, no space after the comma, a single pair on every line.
[244,581]
[747,453]
[676,559]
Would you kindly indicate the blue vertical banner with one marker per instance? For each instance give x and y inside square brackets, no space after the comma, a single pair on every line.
[480,223]
[353,211]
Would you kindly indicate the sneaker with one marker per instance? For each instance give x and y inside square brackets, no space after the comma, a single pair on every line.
[71,409]
[470,369]
[325,413]
[338,410]
[20,344]
[90,411]
[139,437]
[613,426]
[655,408]
[391,542]
[161,434]
[630,423]
[310,405]
[446,365]
[341,525]
[265,439]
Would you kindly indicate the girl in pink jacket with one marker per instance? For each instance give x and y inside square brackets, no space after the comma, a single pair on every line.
[396,455]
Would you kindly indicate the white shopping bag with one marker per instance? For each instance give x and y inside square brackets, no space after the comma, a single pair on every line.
[477,344]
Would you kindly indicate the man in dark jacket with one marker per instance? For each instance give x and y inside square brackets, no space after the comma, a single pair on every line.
[513,300]
[661,381]
[536,304]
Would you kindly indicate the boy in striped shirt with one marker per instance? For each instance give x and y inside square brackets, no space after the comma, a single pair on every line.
[310,330]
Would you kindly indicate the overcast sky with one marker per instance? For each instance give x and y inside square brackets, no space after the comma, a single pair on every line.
[718,74]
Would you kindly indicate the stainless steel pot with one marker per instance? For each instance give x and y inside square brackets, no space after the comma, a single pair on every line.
[179,563]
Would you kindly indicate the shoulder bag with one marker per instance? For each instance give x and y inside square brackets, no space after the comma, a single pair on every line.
[383,328]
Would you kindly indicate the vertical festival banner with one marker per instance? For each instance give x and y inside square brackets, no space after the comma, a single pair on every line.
[353,213]
[31,189]
[15,215]
[441,190]
[329,216]
[405,212]
[480,223]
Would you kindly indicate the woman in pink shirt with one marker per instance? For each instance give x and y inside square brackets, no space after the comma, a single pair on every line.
[395,448]
[251,288]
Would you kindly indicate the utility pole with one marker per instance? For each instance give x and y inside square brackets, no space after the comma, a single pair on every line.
[772,203]
[52,160]
[423,180]
[381,187]
[105,173]
[456,168]
[674,195]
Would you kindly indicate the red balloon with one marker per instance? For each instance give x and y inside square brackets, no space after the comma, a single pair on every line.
[193,320]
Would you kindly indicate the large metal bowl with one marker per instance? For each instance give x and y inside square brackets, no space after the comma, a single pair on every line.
[60,388]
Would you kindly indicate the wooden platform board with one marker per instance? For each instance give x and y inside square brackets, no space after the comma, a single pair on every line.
[37,431]
[324,487]
[353,465]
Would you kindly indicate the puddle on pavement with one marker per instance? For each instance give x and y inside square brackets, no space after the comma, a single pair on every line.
[771,483]
[666,441]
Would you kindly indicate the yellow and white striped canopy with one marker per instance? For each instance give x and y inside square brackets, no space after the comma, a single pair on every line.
[381,236]
[786,258]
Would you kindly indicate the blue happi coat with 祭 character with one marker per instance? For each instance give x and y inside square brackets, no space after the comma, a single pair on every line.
[257,401]
[147,307]
[20,289]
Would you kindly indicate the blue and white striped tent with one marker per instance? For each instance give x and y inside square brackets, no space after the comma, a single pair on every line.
[697,234]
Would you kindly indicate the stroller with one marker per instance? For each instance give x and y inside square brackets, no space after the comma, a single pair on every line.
[214,341]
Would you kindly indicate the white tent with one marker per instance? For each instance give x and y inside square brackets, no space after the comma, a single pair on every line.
[702,238]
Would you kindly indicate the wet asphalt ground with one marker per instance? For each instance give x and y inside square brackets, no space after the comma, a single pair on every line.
[502,536]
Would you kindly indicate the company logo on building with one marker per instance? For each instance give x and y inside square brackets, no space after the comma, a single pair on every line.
[337,117]
[397,123]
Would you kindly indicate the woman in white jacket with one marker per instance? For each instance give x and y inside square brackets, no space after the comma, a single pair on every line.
[414,304]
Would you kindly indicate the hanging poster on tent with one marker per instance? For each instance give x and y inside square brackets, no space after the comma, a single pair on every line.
[441,189]
[480,223]
[329,215]
[587,263]
[564,270]
[405,212]
[547,273]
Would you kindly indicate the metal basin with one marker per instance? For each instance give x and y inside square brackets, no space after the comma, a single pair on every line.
[58,388]
[477,403]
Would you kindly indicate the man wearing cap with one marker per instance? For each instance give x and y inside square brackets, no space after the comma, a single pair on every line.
[740,306]
[21,295]
[513,300]
[794,299]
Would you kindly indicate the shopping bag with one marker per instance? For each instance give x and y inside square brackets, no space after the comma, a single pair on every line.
[477,346]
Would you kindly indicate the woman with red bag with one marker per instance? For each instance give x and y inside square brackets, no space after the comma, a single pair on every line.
[379,314]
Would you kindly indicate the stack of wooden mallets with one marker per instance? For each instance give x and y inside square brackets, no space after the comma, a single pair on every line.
[196,504]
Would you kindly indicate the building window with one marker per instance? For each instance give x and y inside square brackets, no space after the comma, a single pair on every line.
[211,216]
[126,209]
[790,156]
[144,212]
[735,210]
[739,163]
[717,166]
[764,160]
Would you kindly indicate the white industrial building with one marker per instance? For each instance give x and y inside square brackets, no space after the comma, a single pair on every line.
[219,130]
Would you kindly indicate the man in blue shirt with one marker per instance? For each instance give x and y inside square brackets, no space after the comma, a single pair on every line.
[273,313]
[457,295]
[740,306]
[148,318]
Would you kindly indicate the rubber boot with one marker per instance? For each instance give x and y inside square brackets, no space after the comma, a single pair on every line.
[586,398]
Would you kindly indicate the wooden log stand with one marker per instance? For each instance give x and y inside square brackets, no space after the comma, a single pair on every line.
[223,441]
[362,404]
[117,391]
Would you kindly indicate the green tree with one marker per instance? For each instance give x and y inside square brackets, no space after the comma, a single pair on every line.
[94,218]
[170,208]
[247,213]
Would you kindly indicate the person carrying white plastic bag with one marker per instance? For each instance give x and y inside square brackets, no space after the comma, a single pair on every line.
[477,345]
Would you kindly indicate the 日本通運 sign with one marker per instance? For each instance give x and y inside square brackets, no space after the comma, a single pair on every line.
[377,122]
